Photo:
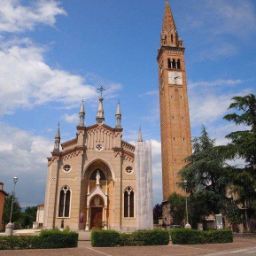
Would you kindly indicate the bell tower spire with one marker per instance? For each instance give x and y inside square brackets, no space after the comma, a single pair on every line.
[169,34]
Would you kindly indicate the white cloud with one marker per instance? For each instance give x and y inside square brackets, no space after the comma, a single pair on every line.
[207,103]
[15,17]
[218,17]
[218,82]
[217,51]
[207,108]
[233,16]
[23,154]
[73,118]
[26,80]
[149,93]
[21,151]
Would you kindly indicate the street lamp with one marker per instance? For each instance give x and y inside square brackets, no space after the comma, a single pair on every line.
[188,226]
[10,225]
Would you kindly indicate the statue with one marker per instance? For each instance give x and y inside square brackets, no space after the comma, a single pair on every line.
[98,178]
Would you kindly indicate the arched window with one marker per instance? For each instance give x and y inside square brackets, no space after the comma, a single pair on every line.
[169,63]
[172,38]
[64,202]
[128,202]
[178,64]
[173,63]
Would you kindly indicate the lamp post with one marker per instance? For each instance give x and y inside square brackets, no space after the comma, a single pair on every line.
[188,226]
[10,226]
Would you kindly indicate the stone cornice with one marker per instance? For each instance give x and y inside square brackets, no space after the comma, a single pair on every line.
[169,48]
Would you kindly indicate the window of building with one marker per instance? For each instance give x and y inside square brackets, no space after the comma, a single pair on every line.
[128,169]
[173,63]
[128,202]
[169,63]
[64,202]
[178,64]
[67,168]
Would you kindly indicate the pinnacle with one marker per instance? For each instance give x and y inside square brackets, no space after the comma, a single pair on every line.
[169,33]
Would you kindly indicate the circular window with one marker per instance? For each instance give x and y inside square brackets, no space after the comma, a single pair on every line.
[128,169]
[99,147]
[67,168]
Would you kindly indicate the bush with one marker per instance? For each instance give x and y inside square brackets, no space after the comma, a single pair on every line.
[47,239]
[152,237]
[219,236]
[105,238]
[143,237]
[57,239]
[190,236]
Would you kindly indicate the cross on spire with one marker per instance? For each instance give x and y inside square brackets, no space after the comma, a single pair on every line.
[101,89]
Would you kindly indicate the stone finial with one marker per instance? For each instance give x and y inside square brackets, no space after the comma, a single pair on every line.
[100,114]
[81,114]
[118,116]
[140,138]
[57,139]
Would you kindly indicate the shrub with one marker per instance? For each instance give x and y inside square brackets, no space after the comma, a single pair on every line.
[105,238]
[142,237]
[152,237]
[185,236]
[57,239]
[219,236]
[16,242]
[190,236]
[46,239]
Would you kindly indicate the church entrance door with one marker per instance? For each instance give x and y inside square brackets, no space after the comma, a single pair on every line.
[96,217]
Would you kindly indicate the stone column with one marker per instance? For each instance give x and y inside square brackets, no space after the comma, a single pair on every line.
[105,226]
[87,225]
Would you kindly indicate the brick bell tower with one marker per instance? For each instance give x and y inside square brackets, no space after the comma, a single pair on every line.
[174,109]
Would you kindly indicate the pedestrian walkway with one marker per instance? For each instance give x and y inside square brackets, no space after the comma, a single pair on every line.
[241,246]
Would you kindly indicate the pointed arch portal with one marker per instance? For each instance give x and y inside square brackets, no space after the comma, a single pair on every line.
[97,177]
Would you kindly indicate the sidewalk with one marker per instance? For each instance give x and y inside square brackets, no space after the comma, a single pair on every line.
[241,246]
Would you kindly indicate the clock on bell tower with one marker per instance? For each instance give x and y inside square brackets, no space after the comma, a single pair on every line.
[174,108]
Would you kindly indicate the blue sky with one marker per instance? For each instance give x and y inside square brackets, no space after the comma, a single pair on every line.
[55,53]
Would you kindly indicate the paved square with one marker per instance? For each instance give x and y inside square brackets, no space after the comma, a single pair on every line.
[241,246]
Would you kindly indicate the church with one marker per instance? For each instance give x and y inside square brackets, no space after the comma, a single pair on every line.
[98,180]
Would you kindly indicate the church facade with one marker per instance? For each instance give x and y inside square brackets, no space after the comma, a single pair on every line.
[96,179]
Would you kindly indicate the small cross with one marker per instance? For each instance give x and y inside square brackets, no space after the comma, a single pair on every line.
[100,90]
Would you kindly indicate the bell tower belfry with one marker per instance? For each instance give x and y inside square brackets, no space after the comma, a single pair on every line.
[174,109]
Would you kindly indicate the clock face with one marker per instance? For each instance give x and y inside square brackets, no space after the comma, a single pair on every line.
[175,77]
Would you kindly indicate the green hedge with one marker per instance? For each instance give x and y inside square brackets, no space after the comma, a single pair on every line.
[190,236]
[105,238]
[143,237]
[47,239]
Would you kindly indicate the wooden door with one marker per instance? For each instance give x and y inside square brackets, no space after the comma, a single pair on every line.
[96,217]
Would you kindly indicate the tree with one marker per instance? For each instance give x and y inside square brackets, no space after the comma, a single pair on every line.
[157,213]
[28,217]
[7,209]
[177,208]
[243,143]
[207,178]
